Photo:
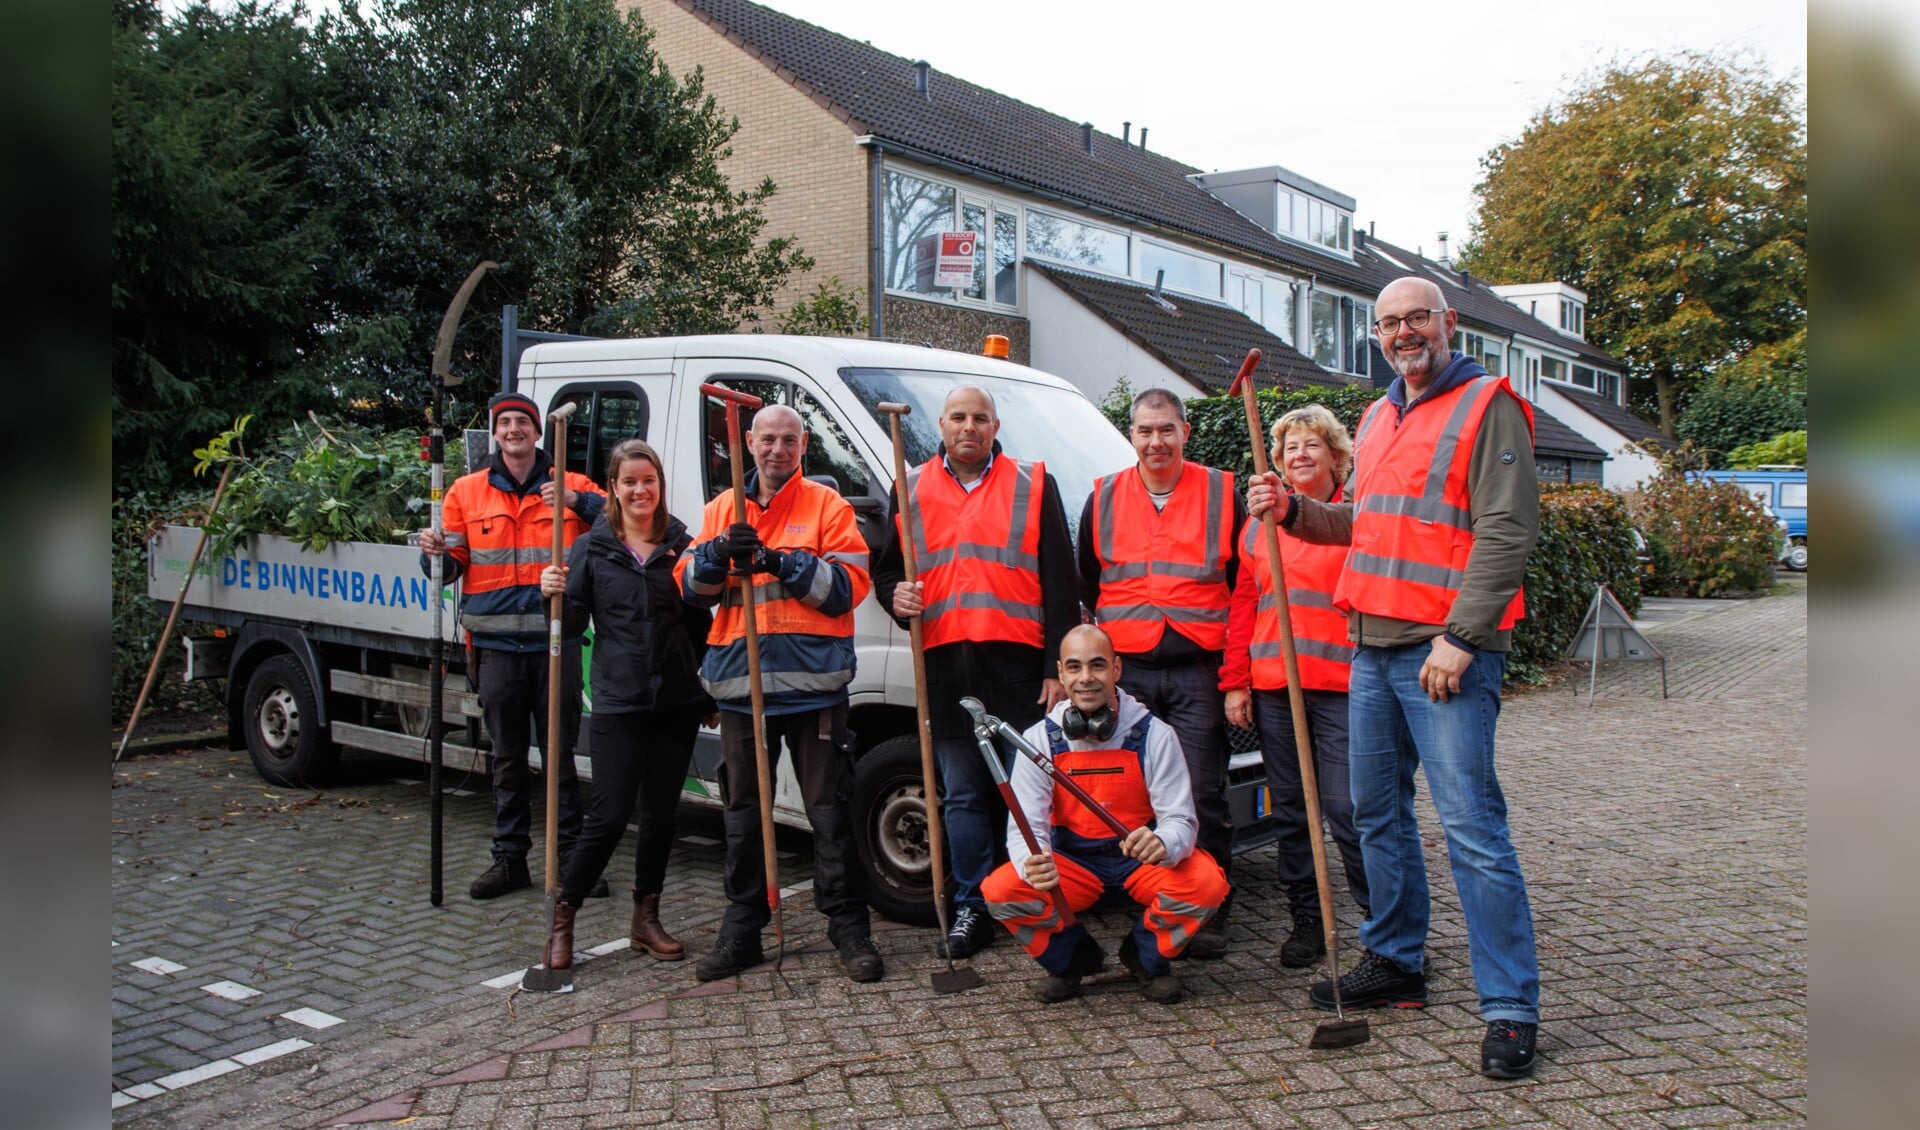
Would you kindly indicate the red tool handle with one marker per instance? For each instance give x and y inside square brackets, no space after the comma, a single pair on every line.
[1033,845]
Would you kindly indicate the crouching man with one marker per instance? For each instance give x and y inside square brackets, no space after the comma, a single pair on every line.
[1130,763]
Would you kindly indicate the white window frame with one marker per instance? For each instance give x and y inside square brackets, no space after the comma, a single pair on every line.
[1136,253]
[963,195]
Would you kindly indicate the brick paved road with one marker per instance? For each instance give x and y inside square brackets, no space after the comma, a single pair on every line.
[1664,842]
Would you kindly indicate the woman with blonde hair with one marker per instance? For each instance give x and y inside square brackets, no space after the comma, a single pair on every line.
[647,698]
[1314,455]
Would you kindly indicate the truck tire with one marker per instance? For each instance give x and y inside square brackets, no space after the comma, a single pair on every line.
[890,812]
[282,720]
[1796,557]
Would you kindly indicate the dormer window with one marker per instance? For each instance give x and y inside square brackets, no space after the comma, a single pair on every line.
[1573,317]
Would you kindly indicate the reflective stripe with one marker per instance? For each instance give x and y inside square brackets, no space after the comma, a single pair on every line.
[1103,509]
[777,682]
[1177,615]
[1298,598]
[1206,574]
[512,555]
[973,551]
[1216,498]
[1319,649]
[1449,440]
[923,557]
[822,586]
[857,560]
[1398,570]
[1428,509]
[515,624]
[982,600]
[1022,492]
[764,593]
[1367,418]
[454,539]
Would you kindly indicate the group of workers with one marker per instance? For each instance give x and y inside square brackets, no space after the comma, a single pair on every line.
[1403,549]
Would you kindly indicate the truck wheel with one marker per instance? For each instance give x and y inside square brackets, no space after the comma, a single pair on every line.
[283,728]
[1797,555]
[890,811]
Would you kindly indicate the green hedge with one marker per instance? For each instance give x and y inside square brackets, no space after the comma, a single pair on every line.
[1586,533]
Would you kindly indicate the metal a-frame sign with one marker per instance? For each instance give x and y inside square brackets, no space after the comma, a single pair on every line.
[1609,633]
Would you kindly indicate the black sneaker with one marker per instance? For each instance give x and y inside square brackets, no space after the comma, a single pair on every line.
[729,957]
[1088,958]
[972,932]
[1307,944]
[861,959]
[504,877]
[1375,981]
[1163,988]
[1507,1052]
[1209,943]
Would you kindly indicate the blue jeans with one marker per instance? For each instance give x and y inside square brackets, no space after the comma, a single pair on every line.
[973,814]
[1393,728]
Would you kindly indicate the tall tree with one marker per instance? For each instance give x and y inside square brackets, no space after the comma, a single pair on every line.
[215,235]
[544,135]
[1673,192]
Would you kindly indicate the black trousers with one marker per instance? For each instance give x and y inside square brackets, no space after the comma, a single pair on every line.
[1187,698]
[638,758]
[823,763]
[513,703]
[1327,731]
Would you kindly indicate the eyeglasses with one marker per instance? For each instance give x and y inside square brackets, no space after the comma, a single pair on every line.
[1416,320]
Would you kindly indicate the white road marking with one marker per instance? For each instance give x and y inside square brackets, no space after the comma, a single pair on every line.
[271,1051]
[230,990]
[615,946]
[312,1018]
[212,1070]
[159,966]
[121,1098]
[145,1091]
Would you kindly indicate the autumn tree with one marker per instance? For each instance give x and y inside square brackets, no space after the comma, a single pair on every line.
[1674,192]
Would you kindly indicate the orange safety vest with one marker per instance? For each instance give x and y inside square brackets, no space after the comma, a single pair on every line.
[1114,778]
[1161,567]
[503,541]
[1319,629]
[802,515]
[1412,523]
[978,553]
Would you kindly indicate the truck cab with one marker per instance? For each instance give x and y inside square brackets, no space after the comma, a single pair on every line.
[1782,490]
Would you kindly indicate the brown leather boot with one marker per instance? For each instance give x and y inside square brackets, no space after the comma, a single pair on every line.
[560,942]
[649,935]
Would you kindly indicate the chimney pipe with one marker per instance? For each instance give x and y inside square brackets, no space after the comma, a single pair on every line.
[920,80]
[1086,136]
[1369,229]
[1143,137]
[1159,281]
[1126,134]
[1445,259]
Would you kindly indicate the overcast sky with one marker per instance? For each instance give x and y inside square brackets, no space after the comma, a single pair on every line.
[1392,102]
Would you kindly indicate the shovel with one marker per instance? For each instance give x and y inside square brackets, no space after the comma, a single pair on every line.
[540,979]
[954,980]
[1339,1032]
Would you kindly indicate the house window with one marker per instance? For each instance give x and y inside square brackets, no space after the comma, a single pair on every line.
[1324,330]
[1249,295]
[1191,273]
[917,212]
[1006,257]
[1609,386]
[1360,317]
[1583,376]
[1054,236]
[1480,349]
[1553,369]
[1279,309]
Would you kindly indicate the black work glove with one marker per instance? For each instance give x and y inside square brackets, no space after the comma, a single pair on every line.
[772,561]
[738,546]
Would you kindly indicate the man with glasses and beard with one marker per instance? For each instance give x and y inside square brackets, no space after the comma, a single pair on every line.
[1442,516]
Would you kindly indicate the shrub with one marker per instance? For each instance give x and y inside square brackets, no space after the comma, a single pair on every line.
[1787,447]
[1707,538]
[1586,539]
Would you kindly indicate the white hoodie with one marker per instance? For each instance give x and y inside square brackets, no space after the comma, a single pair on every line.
[1164,765]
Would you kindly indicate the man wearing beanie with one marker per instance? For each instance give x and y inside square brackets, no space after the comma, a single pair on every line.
[499,535]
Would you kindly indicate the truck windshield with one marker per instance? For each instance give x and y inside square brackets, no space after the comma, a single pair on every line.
[1057,426]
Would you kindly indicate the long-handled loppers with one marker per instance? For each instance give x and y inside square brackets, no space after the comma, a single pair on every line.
[1339,1032]
[983,731]
[954,980]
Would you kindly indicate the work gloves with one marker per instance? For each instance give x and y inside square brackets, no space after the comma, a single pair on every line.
[744,552]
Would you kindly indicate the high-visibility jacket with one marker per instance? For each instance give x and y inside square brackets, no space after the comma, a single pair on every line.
[804,615]
[1161,567]
[498,541]
[1412,518]
[1320,639]
[978,553]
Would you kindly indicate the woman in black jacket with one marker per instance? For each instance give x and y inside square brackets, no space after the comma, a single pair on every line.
[647,702]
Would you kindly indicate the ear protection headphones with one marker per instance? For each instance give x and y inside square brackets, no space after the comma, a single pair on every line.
[1099,726]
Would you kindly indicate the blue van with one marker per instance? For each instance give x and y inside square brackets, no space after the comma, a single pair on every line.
[1782,489]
